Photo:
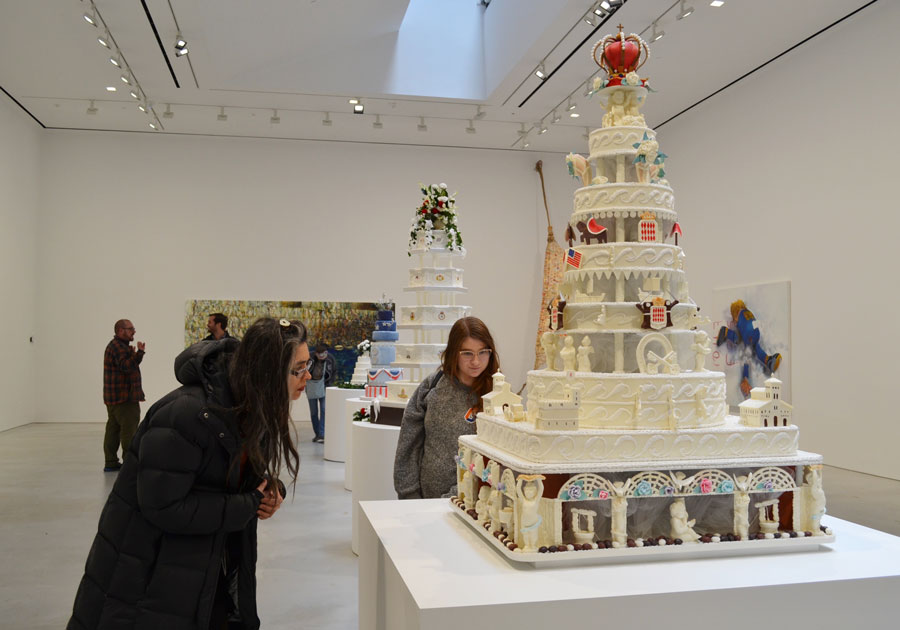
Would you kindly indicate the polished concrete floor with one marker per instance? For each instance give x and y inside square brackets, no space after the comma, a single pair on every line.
[52,490]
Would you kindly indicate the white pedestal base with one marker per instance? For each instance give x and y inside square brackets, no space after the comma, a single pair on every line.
[420,567]
[335,428]
[374,446]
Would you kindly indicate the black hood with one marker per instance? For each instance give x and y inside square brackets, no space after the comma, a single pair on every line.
[205,362]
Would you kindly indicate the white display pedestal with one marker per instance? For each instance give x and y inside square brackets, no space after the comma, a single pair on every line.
[421,567]
[374,446]
[335,427]
[352,405]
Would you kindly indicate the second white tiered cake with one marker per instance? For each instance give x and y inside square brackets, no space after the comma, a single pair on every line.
[435,246]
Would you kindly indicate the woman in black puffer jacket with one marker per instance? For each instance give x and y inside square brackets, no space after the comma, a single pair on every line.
[176,543]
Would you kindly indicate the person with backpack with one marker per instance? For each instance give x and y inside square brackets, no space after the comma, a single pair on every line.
[322,372]
[442,408]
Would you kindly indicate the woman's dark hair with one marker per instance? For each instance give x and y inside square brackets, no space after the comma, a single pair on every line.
[259,384]
[476,329]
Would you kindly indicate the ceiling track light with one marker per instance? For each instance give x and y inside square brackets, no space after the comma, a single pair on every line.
[586,134]
[526,144]
[683,11]
[570,106]
[181,48]
[275,119]
[222,117]
[574,114]
[522,131]
[168,113]
[541,128]
[142,107]
[657,35]
[359,108]
[103,40]
[479,113]
[91,109]
[126,79]
[540,73]
[91,17]
[377,124]
[590,18]
[555,118]
[153,126]
[422,126]
[326,122]
[471,127]
[716,3]
[115,61]
[135,94]
[111,88]
[353,101]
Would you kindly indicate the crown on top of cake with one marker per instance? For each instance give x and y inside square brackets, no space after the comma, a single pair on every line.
[620,56]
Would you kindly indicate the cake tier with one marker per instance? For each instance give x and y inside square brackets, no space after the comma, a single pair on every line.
[633,401]
[437,246]
[436,316]
[606,258]
[420,352]
[386,324]
[589,450]
[383,376]
[611,141]
[383,353]
[634,351]
[435,277]
[384,315]
[385,335]
[624,200]
[401,391]
[586,317]
[621,285]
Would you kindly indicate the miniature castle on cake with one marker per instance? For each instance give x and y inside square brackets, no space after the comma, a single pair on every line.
[625,441]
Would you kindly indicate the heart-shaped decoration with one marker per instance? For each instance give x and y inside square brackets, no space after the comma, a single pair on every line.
[622,56]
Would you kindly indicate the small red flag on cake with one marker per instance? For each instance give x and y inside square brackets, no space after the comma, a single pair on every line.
[573,258]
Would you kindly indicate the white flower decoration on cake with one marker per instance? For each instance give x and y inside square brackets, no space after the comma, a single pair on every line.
[632,78]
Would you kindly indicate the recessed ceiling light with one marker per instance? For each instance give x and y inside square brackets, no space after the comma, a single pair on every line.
[574,115]
[716,3]
[353,101]
[110,88]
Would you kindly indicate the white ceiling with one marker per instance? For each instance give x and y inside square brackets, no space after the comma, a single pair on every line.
[405,58]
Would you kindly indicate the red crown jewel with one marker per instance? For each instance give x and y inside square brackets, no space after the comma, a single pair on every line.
[621,54]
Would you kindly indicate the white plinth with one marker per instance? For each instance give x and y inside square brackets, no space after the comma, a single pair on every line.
[373,452]
[351,405]
[420,567]
[335,427]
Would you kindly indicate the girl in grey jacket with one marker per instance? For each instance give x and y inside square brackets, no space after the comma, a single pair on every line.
[442,408]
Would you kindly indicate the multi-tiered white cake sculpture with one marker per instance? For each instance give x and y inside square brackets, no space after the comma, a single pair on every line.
[624,448]
[363,363]
[383,352]
[434,243]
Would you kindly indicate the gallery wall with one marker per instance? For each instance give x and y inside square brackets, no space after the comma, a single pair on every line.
[788,175]
[133,225]
[19,176]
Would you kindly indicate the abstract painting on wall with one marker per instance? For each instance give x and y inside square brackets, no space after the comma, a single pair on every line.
[751,334]
[339,325]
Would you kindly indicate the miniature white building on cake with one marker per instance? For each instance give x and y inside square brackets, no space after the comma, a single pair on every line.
[501,396]
[559,415]
[765,408]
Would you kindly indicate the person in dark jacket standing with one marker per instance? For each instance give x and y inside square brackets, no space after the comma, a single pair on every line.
[176,542]
[122,392]
[216,325]
[322,373]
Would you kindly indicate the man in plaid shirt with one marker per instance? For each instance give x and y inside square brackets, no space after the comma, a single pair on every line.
[122,392]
